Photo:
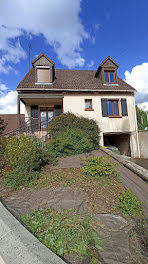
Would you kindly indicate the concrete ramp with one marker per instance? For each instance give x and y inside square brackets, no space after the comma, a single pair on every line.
[19,246]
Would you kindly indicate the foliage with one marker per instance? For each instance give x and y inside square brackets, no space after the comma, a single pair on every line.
[3,143]
[99,167]
[25,153]
[70,142]
[142,229]
[129,203]
[65,232]
[17,178]
[70,121]
[141,118]
[2,126]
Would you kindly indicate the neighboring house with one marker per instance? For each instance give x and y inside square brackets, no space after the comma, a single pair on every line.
[11,123]
[99,95]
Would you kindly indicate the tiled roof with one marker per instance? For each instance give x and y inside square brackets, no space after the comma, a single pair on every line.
[42,54]
[75,80]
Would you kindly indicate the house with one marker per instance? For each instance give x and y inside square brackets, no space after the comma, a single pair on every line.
[100,95]
[11,123]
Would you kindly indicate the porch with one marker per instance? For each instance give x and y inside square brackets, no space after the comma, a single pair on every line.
[40,110]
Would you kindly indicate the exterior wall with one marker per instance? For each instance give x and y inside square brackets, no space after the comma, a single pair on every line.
[126,124]
[27,111]
[143,143]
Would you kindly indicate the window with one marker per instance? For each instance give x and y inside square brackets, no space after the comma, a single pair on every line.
[88,104]
[110,107]
[109,76]
[43,75]
[113,108]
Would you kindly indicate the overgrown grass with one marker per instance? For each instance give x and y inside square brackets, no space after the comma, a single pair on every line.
[129,203]
[100,167]
[65,233]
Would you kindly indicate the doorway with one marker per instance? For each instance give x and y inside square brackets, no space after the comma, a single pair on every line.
[46,116]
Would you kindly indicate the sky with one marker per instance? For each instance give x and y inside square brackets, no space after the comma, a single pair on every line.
[75,34]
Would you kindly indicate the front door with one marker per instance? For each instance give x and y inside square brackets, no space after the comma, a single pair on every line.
[46,115]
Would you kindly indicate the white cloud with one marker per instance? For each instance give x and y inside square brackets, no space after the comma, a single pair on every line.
[90,64]
[58,21]
[8,103]
[138,78]
[3,87]
[143,106]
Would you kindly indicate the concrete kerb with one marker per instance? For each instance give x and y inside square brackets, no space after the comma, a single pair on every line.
[19,246]
[141,172]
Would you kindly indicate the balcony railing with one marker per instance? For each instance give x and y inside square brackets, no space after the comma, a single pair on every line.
[30,126]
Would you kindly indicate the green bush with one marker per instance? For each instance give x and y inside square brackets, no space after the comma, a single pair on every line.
[17,178]
[25,153]
[129,203]
[70,142]
[3,143]
[99,167]
[65,233]
[70,121]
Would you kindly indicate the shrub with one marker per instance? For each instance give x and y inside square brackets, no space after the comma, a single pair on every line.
[99,167]
[70,121]
[2,126]
[3,143]
[17,178]
[129,203]
[65,233]
[70,142]
[25,153]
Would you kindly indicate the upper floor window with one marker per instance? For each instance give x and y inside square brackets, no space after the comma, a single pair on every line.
[114,107]
[43,75]
[109,76]
[88,104]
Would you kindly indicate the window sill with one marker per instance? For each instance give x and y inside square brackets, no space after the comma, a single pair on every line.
[89,109]
[115,116]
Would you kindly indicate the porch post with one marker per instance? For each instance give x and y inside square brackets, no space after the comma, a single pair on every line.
[18,112]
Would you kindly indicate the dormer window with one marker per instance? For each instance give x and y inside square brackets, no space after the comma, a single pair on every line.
[109,76]
[43,74]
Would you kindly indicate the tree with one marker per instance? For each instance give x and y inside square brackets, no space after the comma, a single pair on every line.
[2,126]
[142,118]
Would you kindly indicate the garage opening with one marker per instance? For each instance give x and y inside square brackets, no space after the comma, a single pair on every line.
[120,141]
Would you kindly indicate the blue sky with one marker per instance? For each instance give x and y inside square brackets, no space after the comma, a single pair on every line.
[75,34]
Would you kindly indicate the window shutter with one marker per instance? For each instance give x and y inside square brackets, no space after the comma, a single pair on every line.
[35,116]
[58,110]
[104,104]
[124,107]
[43,75]
[34,111]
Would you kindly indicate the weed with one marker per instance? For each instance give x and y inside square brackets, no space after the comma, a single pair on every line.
[65,233]
[129,203]
[99,167]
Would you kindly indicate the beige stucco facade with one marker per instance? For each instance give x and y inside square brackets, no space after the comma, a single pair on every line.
[75,103]
[124,124]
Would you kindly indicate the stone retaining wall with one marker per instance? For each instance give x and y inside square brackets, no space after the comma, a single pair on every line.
[143,143]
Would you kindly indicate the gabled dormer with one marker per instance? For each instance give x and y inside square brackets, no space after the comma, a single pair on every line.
[107,71]
[44,69]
